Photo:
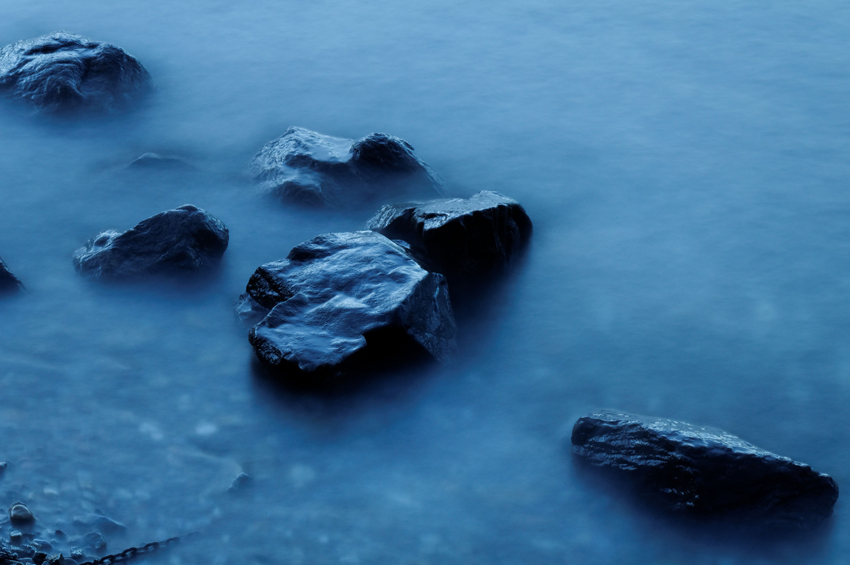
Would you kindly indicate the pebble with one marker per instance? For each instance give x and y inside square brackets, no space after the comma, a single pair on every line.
[242,481]
[78,554]
[16,537]
[19,514]
[39,557]
[94,540]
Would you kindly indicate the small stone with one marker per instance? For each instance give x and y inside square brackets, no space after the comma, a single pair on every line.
[20,515]
[9,283]
[55,559]
[39,557]
[78,554]
[95,540]
[16,537]
[155,161]
[241,482]
[42,544]
[3,466]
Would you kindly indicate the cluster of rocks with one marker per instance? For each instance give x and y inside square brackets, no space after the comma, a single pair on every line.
[30,542]
[342,300]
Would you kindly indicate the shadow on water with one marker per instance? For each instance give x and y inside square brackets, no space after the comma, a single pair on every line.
[749,540]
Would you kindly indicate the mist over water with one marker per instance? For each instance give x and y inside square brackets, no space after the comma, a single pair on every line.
[686,168]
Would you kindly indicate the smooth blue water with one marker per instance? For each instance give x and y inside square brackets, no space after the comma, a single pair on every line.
[686,167]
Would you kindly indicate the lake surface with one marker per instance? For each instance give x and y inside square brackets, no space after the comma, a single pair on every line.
[685,165]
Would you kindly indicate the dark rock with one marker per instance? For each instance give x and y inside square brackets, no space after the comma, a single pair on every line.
[306,167]
[55,559]
[20,515]
[3,466]
[16,537]
[343,295]
[157,162]
[183,240]
[461,238]
[705,471]
[9,283]
[78,554]
[39,557]
[95,541]
[64,72]
[42,544]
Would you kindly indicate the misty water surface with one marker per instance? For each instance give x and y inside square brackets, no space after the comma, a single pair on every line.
[686,168]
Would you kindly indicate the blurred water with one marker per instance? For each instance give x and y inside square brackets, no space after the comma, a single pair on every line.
[685,165]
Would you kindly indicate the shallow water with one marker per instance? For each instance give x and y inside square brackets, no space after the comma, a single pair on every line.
[685,166]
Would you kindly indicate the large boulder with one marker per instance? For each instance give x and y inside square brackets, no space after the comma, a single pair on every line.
[704,471]
[183,240]
[9,283]
[340,298]
[306,167]
[461,238]
[64,72]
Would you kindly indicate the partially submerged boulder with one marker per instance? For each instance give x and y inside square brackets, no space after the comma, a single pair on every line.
[306,167]
[9,283]
[157,162]
[186,239]
[341,297]
[65,72]
[461,238]
[704,471]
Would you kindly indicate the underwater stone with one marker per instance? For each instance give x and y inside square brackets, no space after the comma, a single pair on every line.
[183,240]
[461,238]
[705,471]
[342,296]
[64,72]
[9,283]
[306,167]
[157,162]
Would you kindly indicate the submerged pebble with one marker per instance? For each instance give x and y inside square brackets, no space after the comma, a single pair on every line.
[20,515]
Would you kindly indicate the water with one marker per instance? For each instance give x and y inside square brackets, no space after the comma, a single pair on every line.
[686,169]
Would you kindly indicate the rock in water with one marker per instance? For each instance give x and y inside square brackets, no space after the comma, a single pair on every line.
[341,296]
[9,283]
[463,239]
[183,240]
[705,471]
[310,168]
[20,515]
[65,72]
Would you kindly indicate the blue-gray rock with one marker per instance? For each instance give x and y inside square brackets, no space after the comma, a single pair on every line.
[101,523]
[64,72]
[705,471]
[9,283]
[306,167]
[183,240]
[461,238]
[342,296]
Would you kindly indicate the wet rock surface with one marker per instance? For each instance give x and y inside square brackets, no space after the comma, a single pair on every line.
[341,297]
[461,238]
[9,283]
[306,167]
[184,240]
[64,72]
[704,471]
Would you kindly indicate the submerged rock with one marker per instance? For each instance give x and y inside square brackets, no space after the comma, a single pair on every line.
[461,238]
[341,297]
[9,283]
[310,168]
[63,72]
[157,162]
[705,471]
[183,240]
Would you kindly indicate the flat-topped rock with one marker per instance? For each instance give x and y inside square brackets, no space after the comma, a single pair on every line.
[705,471]
[63,72]
[461,238]
[342,296]
[9,283]
[306,167]
[184,240]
